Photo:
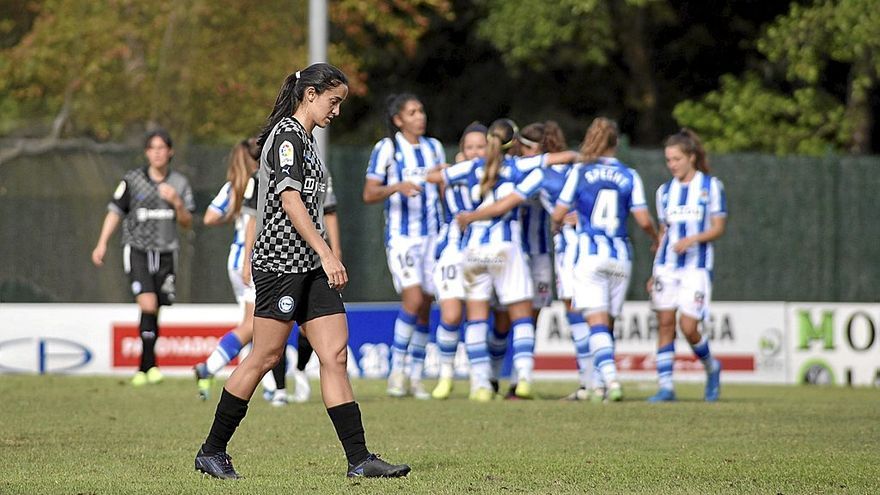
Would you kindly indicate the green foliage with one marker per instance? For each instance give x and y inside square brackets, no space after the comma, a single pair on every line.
[73,434]
[743,114]
[209,70]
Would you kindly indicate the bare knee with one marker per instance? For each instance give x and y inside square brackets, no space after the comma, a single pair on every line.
[336,360]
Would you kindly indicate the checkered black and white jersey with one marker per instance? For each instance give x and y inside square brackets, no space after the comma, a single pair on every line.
[289,160]
[149,222]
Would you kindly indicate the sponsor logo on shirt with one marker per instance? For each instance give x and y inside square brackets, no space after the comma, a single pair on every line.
[144,214]
[684,213]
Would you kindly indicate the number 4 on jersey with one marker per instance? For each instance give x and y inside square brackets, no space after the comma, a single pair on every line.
[604,215]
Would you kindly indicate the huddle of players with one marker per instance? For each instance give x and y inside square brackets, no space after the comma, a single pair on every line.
[475,236]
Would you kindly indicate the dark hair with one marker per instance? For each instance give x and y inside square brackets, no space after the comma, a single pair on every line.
[547,134]
[601,136]
[501,136]
[691,145]
[319,76]
[159,133]
[394,104]
[475,126]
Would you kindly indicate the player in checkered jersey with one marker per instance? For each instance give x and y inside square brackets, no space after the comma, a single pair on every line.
[396,176]
[150,203]
[297,275]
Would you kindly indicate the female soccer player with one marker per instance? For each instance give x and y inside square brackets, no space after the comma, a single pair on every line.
[493,254]
[692,209]
[297,276]
[604,192]
[150,202]
[396,176]
[448,274]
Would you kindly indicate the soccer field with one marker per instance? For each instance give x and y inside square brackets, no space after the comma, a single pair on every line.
[99,436]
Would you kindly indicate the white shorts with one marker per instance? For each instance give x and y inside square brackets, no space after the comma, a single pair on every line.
[600,283]
[503,268]
[243,293]
[541,269]
[688,290]
[411,262]
[448,276]
[565,265]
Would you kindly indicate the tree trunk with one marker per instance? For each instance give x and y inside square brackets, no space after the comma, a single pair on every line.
[858,107]
[641,94]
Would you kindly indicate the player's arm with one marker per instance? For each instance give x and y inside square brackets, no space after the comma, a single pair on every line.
[331,223]
[293,205]
[250,236]
[181,207]
[111,223]
[646,223]
[376,192]
[716,229]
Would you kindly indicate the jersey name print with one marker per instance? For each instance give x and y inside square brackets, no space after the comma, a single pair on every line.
[289,160]
[149,222]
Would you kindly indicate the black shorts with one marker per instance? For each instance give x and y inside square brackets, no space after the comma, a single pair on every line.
[296,297]
[151,272]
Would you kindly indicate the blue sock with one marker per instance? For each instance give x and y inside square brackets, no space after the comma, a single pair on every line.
[497,343]
[417,345]
[701,349]
[404,327]
[230,346]
[665,364]
[524,347]
[478,352]
[580,334]
[603,352]
[447,343]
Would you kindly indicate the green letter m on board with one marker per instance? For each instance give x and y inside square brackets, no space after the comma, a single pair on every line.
[808,332]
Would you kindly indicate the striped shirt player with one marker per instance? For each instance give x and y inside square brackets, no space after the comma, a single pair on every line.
[535,222]
[235,261]
[285,267]
[603,193]
[411,223]
[684,281]
[494,256]
[149,231]
[448,279]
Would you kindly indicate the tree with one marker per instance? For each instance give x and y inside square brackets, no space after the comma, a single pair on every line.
[208,70]
[578,33]
[808,45]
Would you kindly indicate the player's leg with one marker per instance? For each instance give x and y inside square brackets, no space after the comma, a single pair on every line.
[515,288]
[304,350]
[417,348]
[695,295]
[401,264]
[476,328]
[447,342]
[148,328]
[664,301]
[592,297]
[270,337]
[497,343]
[580,335]
[326,327]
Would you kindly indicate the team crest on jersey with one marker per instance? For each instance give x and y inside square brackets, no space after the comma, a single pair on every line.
[285,304]
[285,154]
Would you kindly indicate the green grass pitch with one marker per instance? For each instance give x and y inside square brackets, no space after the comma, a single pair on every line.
[98,435]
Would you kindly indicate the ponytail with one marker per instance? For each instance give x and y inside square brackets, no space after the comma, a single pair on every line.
[241,166]
[319,76]
[691,145]
[501,136]
[601,137]
[554,138]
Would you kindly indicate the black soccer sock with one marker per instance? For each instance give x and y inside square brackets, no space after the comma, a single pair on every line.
[230,412]
[280,372]
[350,430]
[303,352]
[149,329]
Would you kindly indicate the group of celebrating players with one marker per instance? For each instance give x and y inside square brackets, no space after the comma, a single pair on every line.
[476,235]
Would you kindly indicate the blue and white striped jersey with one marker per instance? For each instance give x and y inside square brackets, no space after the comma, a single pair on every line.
[604,193]
[396,161]
[517,175]
[686,210]
[222,204]
[454,199]
[551,187]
